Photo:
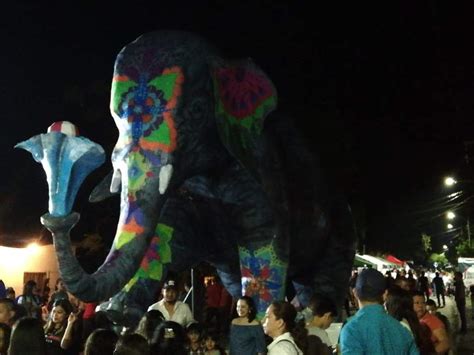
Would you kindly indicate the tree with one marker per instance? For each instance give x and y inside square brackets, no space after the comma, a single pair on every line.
[465,249]
[440,259]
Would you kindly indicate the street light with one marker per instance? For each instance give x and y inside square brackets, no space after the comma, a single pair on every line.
[450,181]
[450,226]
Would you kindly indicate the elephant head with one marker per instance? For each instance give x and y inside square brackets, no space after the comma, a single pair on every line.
[181,111]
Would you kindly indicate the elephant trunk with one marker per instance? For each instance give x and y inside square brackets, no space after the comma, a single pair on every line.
[132,239]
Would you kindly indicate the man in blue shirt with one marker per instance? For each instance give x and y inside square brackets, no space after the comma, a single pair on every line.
[372,330]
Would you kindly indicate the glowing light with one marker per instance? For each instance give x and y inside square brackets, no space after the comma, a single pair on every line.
[450,215]
[449,181]
[450,226]
[32,248]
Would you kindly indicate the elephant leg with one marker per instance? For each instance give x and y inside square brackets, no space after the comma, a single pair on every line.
[263,246]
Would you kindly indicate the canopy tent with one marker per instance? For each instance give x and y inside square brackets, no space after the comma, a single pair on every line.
[395,260]
[465,263]
[378,263]
[359,261]
[385,261]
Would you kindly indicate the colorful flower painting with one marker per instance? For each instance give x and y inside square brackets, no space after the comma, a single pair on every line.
[263,275]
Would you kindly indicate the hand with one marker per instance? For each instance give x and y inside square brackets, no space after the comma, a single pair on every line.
[72,318]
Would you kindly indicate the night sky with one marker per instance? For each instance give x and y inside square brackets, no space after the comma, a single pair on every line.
[384,94]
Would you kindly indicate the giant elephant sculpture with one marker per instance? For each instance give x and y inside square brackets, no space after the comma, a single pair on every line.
[207,169]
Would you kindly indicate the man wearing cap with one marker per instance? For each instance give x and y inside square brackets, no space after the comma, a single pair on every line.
[371,330]
[171,308]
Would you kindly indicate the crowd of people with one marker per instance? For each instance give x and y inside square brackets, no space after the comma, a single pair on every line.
[394,315]
[61,324]
[407,297]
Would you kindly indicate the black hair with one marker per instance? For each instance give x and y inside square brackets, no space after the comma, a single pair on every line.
[64,304]
[101,342]
[320,305]
[287,312]
[132,344]
[215,338]
[194,328]
[29,288]
[148,324]
[27,338]
[399,304]
[163,343]
[251,305]
[417,293]
[430,302]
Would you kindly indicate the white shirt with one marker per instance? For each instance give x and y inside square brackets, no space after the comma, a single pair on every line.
[284,345]
[182,313]
[320,333]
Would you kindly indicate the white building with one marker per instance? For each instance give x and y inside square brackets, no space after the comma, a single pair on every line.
[18,265]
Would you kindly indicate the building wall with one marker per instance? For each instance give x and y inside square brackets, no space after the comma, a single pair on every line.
[14,262]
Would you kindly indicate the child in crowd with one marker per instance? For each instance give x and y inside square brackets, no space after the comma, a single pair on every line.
[194,334]
[211,345]
[433,309]
[324,310]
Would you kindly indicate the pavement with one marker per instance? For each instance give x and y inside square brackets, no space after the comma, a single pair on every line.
[463,344]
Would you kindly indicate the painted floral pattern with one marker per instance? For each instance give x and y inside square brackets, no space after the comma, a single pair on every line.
[144,111]
[157,254]
[263,275]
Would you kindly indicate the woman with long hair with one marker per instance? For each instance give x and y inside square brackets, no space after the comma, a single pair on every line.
[61,337]
[169,339]
[289,337]
[101,342]
[399,304]
[148,324]
[27,338]
[29,300]
[246,333]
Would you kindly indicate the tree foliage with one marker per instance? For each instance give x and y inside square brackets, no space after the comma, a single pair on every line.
[439,258]
[465,248]
[426,243]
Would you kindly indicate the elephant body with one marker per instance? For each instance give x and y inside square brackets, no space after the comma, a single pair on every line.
[210,171]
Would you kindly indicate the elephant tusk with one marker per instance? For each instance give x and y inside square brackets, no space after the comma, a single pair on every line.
[165,177]
[116,180]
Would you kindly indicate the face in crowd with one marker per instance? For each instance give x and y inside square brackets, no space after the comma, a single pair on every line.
[243,308]
[61,286]
[271,325]
[209,343]
[170,294]
[419,306]
[59,315]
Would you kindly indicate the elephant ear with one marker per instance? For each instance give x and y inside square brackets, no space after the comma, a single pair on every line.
[244,96]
